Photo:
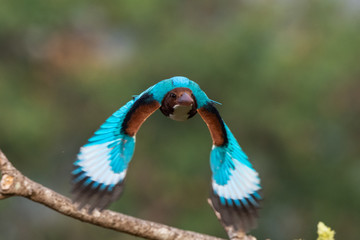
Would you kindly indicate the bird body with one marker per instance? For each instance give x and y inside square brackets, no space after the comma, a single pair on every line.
[181,113]
[102,163]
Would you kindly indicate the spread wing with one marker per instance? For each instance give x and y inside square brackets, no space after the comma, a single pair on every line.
[102,163]
[235,184]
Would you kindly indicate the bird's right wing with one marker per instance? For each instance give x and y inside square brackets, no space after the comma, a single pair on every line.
[102,163]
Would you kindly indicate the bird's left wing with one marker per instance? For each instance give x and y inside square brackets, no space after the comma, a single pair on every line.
[102,163]
[235,184]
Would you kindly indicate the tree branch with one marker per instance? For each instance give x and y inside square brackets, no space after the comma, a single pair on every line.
[14,183]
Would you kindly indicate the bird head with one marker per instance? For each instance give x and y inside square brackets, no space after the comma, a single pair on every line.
[179,104]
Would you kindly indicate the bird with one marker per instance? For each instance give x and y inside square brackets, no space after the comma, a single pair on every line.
[102,163]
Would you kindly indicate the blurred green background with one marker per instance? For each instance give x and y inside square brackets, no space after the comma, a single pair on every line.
[287,73]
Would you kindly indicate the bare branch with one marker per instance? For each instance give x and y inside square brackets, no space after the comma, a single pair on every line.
[3,196]
[14,183]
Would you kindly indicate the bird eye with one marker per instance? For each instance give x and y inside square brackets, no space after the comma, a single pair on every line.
[172,95]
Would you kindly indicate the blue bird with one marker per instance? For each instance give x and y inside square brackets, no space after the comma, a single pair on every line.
[101,166]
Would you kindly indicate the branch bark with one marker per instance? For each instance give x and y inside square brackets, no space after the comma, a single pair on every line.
[14,183]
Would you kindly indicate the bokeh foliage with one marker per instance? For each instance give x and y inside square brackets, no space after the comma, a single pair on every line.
[287,73]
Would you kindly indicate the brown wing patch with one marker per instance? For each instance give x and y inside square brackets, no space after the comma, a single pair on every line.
[137,117]
[215,125]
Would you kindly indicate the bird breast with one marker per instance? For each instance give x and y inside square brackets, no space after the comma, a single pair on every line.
[181,112]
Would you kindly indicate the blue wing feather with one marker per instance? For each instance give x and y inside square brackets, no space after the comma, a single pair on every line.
[234,178]
[102,163]
[235,184]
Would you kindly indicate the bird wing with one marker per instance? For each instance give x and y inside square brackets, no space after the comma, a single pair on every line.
[102,163]
[235,184]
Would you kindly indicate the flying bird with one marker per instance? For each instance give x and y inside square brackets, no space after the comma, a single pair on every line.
[102,163]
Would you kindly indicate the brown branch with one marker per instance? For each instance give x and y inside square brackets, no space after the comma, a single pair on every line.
[14,183]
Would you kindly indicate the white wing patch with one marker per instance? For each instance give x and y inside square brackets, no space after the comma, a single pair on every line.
[242,182]
[94,161]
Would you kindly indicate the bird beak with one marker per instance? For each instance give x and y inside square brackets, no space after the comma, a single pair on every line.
[185,99]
